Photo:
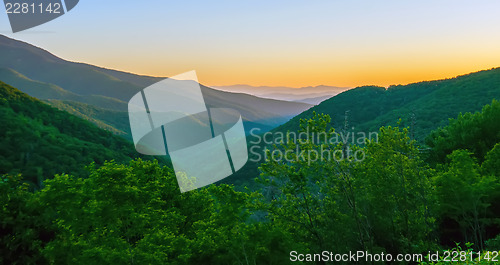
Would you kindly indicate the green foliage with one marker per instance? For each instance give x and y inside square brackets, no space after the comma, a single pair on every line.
[422,106]
[39,141]
[116,122]
[468,176]
[491,164]
[493,243]
[396,193]
[123,214]
[392,200]
[477,132]
[380,203]
[132,214]
[386,200]
[22,232]
[465,196]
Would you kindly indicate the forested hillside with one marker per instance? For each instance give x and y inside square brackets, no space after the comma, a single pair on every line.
[422,106]
[391,201]
[113,121]
[39,141]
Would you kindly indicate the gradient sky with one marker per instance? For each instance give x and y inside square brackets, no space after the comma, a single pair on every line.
[279,43]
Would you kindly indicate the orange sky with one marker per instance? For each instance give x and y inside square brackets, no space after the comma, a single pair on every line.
[291,43]
[383,66]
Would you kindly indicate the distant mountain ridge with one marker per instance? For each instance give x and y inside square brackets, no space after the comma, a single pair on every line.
[46,76]
[313,95]
[314,100]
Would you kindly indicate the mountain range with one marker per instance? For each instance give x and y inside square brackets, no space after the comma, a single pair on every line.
[100,97]
[68,85]
[310,95]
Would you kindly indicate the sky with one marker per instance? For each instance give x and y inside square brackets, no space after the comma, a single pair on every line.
[278,43]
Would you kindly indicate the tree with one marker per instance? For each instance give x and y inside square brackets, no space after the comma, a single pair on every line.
[464,195]
[478,133]
[135,214]
[23,233]
[380,202]
[395,193]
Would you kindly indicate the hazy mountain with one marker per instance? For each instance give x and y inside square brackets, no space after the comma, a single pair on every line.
[286,93]
[314,101]
[44,75]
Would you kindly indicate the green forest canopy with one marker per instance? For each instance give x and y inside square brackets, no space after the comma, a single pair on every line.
[393,201]
[40,141]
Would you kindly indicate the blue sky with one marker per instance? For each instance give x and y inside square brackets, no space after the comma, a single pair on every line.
[294,43]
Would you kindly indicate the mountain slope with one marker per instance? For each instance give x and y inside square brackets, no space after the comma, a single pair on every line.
[39,141]
[113,121]
[40,65]
[96,86]
[43,90]
[424,106]
[467,93]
